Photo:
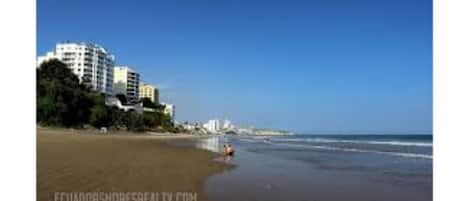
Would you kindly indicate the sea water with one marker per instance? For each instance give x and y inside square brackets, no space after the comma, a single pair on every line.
[369,167]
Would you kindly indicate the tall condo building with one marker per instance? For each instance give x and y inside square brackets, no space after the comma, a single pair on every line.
[92,63]
[212,125]
[227,125]
[149,91]
[126,81]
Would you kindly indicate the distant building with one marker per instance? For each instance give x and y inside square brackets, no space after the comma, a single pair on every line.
[212,125]
[113,101]
[246,131]
[189,126]
[126,81]
[227,125]
[170,110]
[149,91]
[92,63]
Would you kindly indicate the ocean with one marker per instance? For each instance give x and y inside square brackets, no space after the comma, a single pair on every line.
[325,167]
[413,146]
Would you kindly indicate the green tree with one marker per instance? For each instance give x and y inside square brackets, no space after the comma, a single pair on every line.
[61,99]
[118,117]
[150,119]
[148,103]
[100,116]
[134,121]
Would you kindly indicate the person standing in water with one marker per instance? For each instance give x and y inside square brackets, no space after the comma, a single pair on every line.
[229,150]
[225,149]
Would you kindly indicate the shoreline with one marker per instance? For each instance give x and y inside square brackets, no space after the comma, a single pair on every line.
[73,160]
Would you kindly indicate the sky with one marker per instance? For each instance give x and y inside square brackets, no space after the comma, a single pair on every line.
[308,66]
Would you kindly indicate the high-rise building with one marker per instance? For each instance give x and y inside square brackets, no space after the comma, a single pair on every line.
[148,91]
[227,125]
[212,125]
[170,110]
[92,63]
[126,81]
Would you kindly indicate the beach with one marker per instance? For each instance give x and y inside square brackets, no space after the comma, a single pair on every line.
[361,168]
[83,161]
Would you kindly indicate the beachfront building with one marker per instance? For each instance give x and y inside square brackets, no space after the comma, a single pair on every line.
[170,110]
[126,82]
[212,125]
[137,107]
[245,131]
[148,91]
[189,126]
[227,125]
[92,63]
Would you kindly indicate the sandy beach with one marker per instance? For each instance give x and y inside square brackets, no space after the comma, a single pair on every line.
[77,161]
[84,161]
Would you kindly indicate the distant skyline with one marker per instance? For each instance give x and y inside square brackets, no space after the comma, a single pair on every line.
[304,66]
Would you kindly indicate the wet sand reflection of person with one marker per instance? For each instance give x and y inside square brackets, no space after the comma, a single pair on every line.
[228,152]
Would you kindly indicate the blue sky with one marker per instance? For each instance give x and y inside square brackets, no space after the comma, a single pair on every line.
[305,66]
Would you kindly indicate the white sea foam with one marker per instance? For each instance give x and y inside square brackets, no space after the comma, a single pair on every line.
[409,155]
[324,140]
[248,140]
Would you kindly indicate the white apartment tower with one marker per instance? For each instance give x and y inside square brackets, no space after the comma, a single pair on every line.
[126,81]
[212,125]
[227,125]
[92,63]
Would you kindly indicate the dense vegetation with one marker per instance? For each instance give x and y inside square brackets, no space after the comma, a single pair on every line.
[65,102]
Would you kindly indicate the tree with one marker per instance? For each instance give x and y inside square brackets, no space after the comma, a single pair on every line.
[150,119]
[100,116]
[118,117]
[166,122]
[148,103]
[61,99]
[134,121]
[122,98]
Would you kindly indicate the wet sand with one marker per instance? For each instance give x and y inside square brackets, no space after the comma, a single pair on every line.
[76,161]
